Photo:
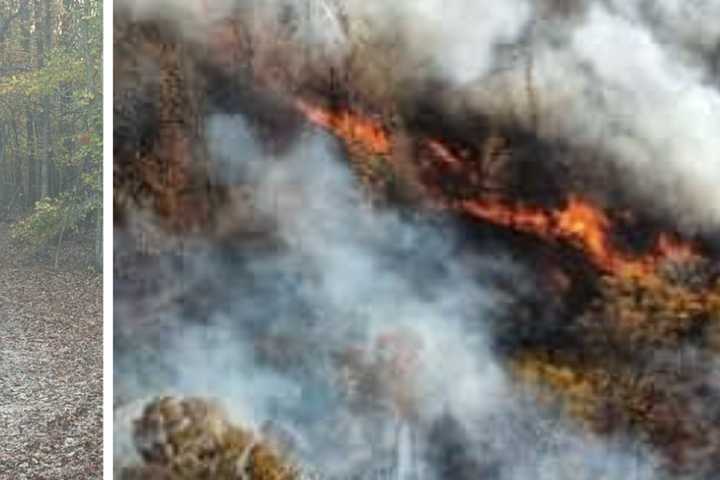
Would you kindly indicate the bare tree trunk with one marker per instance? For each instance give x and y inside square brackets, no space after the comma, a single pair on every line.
[19,191]
[30,144]
[43,123]
[44,44]
[26,45]
[88,80]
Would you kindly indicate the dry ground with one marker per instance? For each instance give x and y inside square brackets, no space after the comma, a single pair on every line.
[50,370]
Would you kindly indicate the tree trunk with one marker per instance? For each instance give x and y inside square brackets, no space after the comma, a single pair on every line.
[88,80]
[30,145]
[43,136]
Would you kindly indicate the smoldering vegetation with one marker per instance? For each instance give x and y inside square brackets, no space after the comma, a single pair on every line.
[631,91]
[379,341]
[366,336]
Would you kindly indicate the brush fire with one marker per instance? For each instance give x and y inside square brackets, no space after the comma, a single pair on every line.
[346,248]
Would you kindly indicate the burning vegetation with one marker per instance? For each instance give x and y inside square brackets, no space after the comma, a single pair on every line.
[614,328]
[193,439]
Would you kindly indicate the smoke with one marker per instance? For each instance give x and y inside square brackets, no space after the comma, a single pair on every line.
[192,17]
[364,334]
[683,26]
[458,38]
[637,80]
[345,282]
[310,335]
[653,111]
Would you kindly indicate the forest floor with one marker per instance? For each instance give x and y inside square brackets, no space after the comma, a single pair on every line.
[50,369]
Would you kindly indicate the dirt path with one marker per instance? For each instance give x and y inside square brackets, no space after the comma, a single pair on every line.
[50,371]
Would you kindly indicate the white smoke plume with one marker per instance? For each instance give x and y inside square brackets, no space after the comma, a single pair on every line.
[458,37]
[638,79]
[353,279]
[620,87]
[636,83]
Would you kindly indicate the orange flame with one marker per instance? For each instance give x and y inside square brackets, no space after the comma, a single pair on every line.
[579,222]
[353,128]
[584,225]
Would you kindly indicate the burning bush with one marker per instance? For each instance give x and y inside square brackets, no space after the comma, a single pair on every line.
[192,439]
[645,366]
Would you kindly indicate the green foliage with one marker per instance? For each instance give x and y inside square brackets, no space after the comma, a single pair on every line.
[51,218]
[51,120]
[63,68]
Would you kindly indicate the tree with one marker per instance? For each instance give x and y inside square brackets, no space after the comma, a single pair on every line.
[51,122]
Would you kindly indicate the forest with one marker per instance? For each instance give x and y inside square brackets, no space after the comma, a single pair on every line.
[416,240]
[51,239]
[51,125]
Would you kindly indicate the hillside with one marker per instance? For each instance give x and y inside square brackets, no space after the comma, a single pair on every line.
[406,283]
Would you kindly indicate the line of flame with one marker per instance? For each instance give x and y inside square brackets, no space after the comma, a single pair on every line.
[579,222]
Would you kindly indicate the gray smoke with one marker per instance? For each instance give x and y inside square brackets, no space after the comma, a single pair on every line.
[351,279]
[636,79]
[643,101]
[640,83]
